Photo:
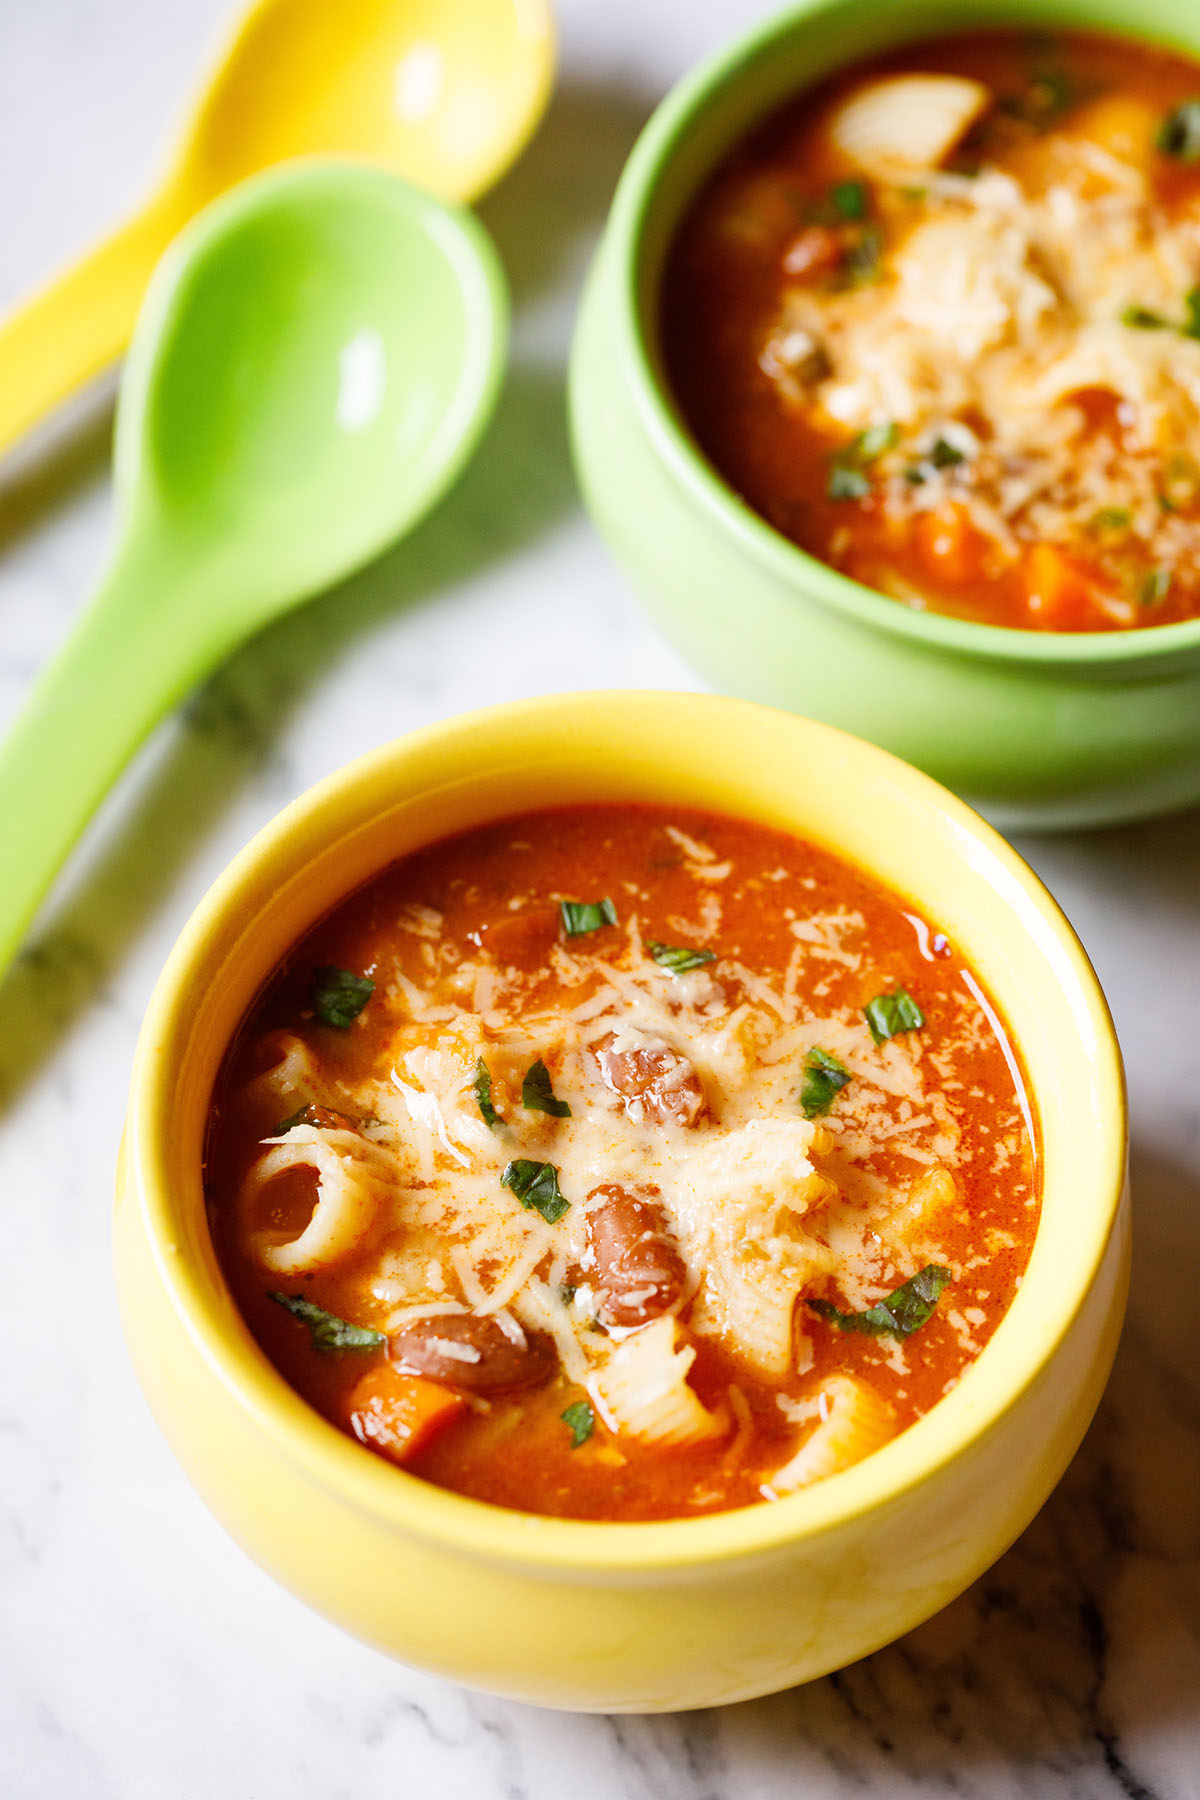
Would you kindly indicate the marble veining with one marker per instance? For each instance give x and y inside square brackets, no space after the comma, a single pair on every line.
[141,1655]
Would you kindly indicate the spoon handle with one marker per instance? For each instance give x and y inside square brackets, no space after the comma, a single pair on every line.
[69,331]
[124,666]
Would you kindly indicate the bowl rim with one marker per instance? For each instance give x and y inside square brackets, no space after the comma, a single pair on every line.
[624,243]
[414,1508]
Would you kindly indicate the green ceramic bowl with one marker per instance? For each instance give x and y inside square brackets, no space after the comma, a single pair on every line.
[1036,729]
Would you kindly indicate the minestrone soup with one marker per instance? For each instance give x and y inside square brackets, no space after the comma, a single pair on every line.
[938,321]
[623,1162]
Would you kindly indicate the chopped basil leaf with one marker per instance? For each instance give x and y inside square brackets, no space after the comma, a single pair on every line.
[538,1095]
[846,479]
[874,441]
[1179,133]
[535,1185]
[328,1331]
[481,1087]
[849,199]
[293,1119]
[824,1078]
[1167,504]
[1112,518]
[338,995]
[846,483]
[1142,319]
[580,1420]
[677,959]
[902,1313]
[566,1292]
[582,916]
[945,455]
[1155,587]
[890,1014]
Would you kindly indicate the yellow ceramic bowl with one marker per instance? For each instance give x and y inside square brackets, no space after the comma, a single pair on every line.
[645,1616]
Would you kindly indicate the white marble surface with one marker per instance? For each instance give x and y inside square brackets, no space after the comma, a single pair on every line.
[141,1655]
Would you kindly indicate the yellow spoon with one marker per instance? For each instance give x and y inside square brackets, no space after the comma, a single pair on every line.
[443,92]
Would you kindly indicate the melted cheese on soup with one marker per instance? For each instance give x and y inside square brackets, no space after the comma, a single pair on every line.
[624,1123]
[940,322]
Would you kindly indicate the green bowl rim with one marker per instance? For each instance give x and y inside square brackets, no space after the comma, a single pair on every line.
[624,245]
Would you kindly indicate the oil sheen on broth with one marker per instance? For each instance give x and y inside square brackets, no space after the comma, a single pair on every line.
[623,1163]
[938,321]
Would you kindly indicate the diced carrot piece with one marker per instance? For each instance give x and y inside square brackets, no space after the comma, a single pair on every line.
[1124,124]
[1057,593]
[398,1414]
[950,546]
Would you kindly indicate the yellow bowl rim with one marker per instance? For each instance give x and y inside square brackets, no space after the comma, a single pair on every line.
[417,1509]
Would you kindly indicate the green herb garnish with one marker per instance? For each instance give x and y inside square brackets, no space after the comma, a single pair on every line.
[1112,518]
[535,1185]
[328,1331]
[846,478]
[338,995]
[849,199]
[538,1094]
[1142,319]
[299,1117]
[481,1087]
[874,441]
[677,959]
[824,1078]
[846,483]
[1179,133]
[845,203]
[900,1314]
[1155,587]
[580,1420]
[945,455]
[890,1014]
[941,454]
[582,916]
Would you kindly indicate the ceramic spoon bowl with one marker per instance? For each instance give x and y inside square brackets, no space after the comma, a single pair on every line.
[317,356]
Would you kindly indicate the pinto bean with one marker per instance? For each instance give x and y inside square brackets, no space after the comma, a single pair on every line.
[639,1271]
[471,1352]
[654,1082]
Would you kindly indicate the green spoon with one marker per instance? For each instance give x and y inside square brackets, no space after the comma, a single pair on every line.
[316,357]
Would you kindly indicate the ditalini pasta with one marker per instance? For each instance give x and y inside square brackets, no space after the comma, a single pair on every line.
[623,1163]
[939,322]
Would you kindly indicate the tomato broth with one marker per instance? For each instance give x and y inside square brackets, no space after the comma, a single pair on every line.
[938,322]
[623,1162]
